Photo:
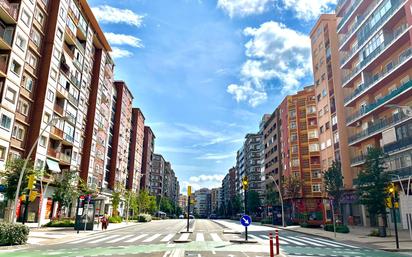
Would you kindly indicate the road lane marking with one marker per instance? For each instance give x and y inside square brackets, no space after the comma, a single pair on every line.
[103,239]
[290,240]
[119,239]
[86,239]
[184,236]
[177,252]
[167,238]
[256,238]
[215,237]
[200,237]
[150,239]
[307,242]
[323,242]
[136,238]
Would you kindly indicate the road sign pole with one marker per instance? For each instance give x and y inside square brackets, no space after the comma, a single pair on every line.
[245,213]
[188,212]
[395,221]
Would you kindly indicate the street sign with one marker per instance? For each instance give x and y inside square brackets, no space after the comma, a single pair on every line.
[189,190]
[246,220]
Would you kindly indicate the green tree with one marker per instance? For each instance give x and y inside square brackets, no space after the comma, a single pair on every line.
[236,203]
[152,207]
[11,176]
[253,202]
[116,198]
[373,182]
[271,197]
[66,189]
[292,189]
[166,205]
[333,180]
[143,201]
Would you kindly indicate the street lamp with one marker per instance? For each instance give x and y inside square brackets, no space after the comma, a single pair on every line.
[16,198]
[281,200]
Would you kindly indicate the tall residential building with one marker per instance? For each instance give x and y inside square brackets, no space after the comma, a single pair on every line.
[375,51]
[148,149]
[329,100]
[229,186]
[182,202]
[301,155]
[215,195]
[136,150]
[202,205]
[156,175]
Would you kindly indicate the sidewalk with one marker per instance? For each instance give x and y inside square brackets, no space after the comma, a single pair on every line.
[360,235]
[45,235]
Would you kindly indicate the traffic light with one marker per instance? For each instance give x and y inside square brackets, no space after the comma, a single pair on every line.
[388,202]
[245,183]
[32,196]
[32,180]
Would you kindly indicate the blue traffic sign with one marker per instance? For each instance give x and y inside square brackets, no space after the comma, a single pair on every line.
[246,220]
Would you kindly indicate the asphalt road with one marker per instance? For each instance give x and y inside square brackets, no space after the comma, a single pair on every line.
[158,238]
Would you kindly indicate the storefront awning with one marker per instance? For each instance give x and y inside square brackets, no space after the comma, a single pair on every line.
[53,166]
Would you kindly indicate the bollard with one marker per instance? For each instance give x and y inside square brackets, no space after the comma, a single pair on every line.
[277,241]
[271,244]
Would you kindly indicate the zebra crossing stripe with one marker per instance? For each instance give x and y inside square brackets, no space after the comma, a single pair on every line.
[280,240]
[150,239]
[103,239]
[86,239]
[290,240]
[167,238]
[307,242]
[136,238]
[324,242]
[200,237]
[215,237]
[184,236]
[342,244]
[255,237]
[118,239]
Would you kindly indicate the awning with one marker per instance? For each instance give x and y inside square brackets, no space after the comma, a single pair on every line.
[53,166]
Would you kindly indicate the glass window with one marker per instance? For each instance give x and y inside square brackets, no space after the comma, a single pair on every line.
[10,95]
[35,37]
[2,153]
[5,122]
[15,67]
[25,17]
[50,95]
[21,42]
[23,107]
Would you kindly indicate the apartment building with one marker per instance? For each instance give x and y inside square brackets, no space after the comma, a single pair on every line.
[135,150]
[148,149]
[301,156]
[376,57]
[329,104]
[215,195]
[157,175]
[229,187]
[202,205]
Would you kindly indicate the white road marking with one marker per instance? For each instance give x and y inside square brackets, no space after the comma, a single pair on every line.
[215,237]
[184,236]
[290,240]
[200,237]
[103,239]
[281,242]
[86,239]
[178,253]
[166,254]
[136,238]
[167,238]
[150,239]
[307,242]
[323,242]
[119,239]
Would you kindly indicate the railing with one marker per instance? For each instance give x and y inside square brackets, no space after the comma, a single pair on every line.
[374,105]
[68,138]
[378,126]
[73,99]
[79,46]
[398,145]
[75,80]
[403,173]
[369,83]
[3,62]
[52,152]
[11,8]
[65,157]
[71,118]
[358,159]
[56,131]
[348,13]
[58,109]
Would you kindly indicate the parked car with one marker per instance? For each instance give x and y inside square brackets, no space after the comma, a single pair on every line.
[191,217]
[181,216]
[213,216]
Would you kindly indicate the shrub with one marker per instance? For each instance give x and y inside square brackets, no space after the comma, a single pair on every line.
[115,219]
[144,217]
[13,234]
[374,232]
[339,228]
[60,223]
[267,220]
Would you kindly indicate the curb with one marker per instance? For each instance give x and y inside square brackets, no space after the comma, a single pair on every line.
[243,241]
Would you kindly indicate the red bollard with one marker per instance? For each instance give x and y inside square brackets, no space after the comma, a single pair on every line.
[277,241]
[271,244]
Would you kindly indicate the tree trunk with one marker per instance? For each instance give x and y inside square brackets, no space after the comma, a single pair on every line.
[381,224]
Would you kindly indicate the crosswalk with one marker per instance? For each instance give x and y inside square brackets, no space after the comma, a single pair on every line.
[142,238]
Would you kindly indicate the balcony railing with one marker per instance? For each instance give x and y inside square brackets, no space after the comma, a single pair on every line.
[68,138]
[348,13]
[3,62]
[58,109]
[358,159]
[371,82]
[7,35]
[378,126]
[70,117]
[52,152]
[11,8]
[65,157]
[403,173]
[73,99]
[370,107]
[56,131]
[398,145]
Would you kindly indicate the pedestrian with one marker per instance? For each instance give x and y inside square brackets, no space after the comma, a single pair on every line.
[105,221]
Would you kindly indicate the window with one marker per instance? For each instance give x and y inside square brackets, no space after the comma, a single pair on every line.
[334,120]
[336,138]
[53,74]
[316,174]
[326,109]
[50,95]
[21,42]
[28,82]
[292,114]
[10,95]
[23,107]
[35,37]
[328,142]
[18,132]
[39,164]
[46,118]
[43,141]
[2,153]
[313,134]
[322,146]
[324,92]
[316,188]
[25,17]
[293,137]
[31,59]
[294,148]
[293,125]
[295,162]
[321,129]
[5,122]
[59,33]
[39,16]
[313,147]
[15,67]
[327,125]
[320,114]
[312,109]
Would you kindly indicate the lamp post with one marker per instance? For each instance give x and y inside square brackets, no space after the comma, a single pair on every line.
[281,200]
[16,198]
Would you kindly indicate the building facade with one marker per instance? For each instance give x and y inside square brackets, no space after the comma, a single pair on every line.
[156,175]
[215,195]
[147,157]
[202,205]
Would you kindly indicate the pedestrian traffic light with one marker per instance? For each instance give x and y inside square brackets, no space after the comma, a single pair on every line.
[245,183]
[32,180]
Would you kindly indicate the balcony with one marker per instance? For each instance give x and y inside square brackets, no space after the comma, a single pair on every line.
[9,11]
[403,173]
[56,132]
[358,160]
[348,14]
[398,145]
[52,152]
[65,158]
[70,117]
[6,38]
[373,106]
[371,82]
[377,127]
[3,64]
[58,109]
[68,138]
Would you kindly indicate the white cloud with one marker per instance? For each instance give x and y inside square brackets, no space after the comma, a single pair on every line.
[109,14]
[274,52]
[308,9]
[243,7]
[120,53]
[122,39]
[206,178]
[216,156]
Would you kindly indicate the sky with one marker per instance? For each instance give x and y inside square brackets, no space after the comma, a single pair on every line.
[205,71]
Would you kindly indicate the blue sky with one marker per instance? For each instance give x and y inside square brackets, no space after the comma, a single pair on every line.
[205,71]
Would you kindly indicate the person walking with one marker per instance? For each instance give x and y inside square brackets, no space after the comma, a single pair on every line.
[105,221]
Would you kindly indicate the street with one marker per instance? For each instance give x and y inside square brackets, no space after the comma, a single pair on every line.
[157,238]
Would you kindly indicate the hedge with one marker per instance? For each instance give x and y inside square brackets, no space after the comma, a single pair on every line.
[60,223]
[144,218]
[339,228]
[115,219]
[13,234]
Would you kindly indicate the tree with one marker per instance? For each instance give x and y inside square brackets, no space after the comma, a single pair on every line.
[166,205]
[333,180]
[272,197]
[143,201]
[11,175]
[373,182]
[236,204]
[292,189]
[253,202]
[66,190]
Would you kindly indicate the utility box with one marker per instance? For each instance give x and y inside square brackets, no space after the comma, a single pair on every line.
[85,213]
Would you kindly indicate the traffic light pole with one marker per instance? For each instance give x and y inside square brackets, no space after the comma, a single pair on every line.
[188,213]
[26,211]
[245,193]
[395,221]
